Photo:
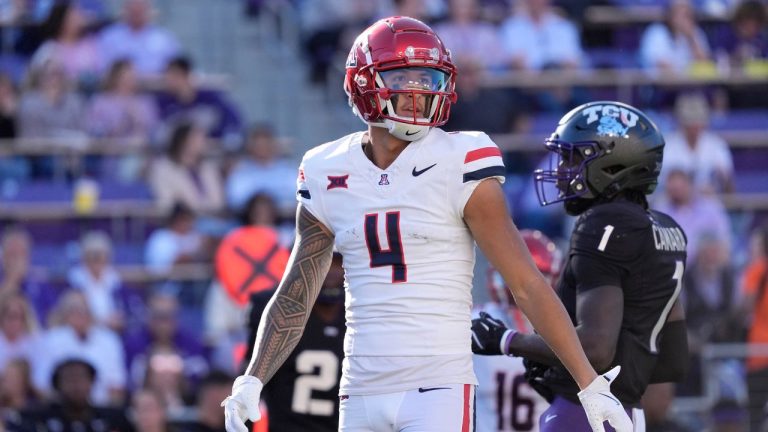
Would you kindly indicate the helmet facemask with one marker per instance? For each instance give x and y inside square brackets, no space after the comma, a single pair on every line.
[411,100]
[567,173]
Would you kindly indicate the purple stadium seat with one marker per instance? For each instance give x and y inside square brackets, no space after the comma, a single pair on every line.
[111,189]
[38,191]
[60,192]
[751,181]
[612,58]
[741,120]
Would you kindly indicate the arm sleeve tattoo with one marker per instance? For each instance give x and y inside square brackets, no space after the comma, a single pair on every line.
[286,314]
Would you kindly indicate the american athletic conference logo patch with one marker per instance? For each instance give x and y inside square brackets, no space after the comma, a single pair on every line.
[384,180]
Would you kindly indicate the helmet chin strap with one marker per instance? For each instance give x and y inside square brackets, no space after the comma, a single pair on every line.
[400,130]
[405,131]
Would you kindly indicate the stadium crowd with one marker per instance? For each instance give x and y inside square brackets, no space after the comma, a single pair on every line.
[126,323]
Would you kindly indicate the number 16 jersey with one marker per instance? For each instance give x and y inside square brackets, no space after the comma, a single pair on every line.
[408,256]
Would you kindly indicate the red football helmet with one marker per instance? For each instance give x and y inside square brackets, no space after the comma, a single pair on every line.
[546,256]
[400,57]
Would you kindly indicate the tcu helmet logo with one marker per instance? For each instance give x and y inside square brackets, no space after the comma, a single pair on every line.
[613,120]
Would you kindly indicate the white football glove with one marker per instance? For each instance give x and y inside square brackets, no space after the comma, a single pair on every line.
[601,405]
[243,404]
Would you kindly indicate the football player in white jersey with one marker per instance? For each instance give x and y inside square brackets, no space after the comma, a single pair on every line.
[505,400]
[404,202]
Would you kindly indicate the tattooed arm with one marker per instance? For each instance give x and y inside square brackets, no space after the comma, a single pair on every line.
[284,318]
[286,314]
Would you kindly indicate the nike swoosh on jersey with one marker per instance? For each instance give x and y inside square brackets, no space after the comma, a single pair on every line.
[417,173]
[424,390]
[549,417]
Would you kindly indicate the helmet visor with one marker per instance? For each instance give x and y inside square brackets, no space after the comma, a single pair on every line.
[413,94]
[415,78]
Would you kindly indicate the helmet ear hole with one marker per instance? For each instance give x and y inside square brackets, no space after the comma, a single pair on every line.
[613,169]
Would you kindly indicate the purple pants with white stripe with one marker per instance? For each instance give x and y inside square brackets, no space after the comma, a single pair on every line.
[564,415]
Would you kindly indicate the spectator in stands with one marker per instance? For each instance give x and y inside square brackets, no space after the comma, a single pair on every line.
[210,416]
[183,101]
[702,217]
[755,289]
[711,295]
[16,391]
[149,47]
[176,243]
[746,38]
[423,10]
[148,411]
[72,408]
[11,167]
[18,329]
[472,112]
[263,169]
[674,45]
[156,347]
[325,23]
[164,374]
[100,281]
[95,12]
[12,11]
[69,46]
[742,46]
[695,149]
[50,108]
[471,38]
[185,176]
[17,277]
[711,301]
[9,101]
[120,111]
[262,210]
[75,334]
[536,37]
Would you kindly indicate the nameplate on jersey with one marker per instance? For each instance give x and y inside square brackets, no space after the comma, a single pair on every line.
[668,239]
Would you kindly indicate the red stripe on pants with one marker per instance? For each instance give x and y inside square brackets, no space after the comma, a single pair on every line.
[467,414]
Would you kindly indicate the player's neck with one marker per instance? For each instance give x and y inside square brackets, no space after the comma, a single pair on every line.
[381,147]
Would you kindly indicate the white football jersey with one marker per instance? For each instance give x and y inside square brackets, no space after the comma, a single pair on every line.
[505,401]
[408,256]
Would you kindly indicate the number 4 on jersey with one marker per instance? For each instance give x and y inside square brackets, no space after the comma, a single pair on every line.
[393,256]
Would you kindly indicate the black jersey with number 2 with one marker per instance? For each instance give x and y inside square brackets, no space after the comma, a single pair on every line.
[303,395]
[641,251]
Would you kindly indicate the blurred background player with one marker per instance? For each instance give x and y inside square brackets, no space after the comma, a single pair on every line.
[625,266]
[505,400]
[304,393]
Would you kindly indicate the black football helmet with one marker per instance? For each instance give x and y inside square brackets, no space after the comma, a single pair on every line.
[598,150]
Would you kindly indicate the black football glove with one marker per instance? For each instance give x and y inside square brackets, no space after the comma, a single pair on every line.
[490,336]
[534,374]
